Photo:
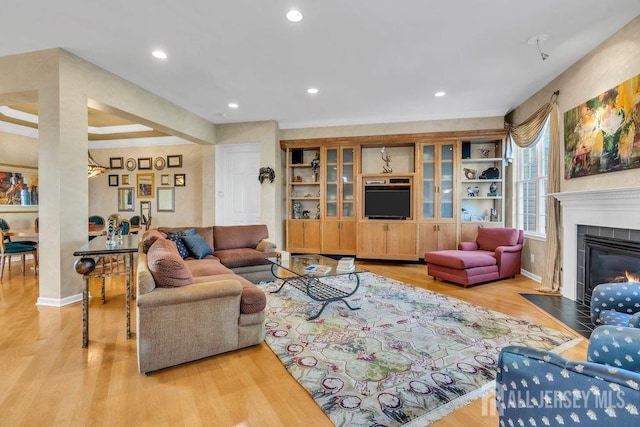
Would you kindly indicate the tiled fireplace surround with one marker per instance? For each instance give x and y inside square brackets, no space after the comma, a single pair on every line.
[606,213]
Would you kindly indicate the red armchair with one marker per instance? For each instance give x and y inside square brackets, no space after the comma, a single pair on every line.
[494,255]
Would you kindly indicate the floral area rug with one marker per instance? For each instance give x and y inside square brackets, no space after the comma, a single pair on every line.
[408,356]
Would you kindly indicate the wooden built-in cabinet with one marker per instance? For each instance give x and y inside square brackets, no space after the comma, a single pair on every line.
[438,219]
[387,240]
[338,213]
[481,196]
[327,181]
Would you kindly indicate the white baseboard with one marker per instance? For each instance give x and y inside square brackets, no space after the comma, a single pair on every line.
[531,276]
[57,302]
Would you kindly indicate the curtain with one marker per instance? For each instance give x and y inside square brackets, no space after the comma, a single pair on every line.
[524,135]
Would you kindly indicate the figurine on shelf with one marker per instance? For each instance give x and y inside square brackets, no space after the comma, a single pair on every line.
[315,167]
[318,211]
[470,192]
[386,158]
[297,210]
[493,189]
[470,173]
[305,214]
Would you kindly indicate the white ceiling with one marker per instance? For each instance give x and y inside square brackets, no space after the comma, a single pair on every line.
[373,61]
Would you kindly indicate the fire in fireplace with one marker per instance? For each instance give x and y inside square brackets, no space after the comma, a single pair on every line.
[609,260]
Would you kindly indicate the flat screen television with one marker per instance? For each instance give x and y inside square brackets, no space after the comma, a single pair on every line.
[387,202]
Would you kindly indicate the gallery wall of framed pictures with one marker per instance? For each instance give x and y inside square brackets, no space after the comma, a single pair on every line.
[149,175]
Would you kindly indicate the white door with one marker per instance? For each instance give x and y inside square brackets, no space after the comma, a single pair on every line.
[237,185]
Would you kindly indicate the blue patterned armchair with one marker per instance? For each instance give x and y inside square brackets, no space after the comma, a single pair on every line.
[541,388]
[616,304]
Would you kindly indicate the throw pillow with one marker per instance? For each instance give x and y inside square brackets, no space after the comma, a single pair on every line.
[177,238]
[265,246]
[197,245]
[149,237]
[166,266]
[189,232]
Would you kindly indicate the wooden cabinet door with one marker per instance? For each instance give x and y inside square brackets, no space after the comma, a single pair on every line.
[372,239]
[402,240]
[311,233]
[428,238]
[303,236]
[295,235]
[348,237]
[447,236]
[331,237]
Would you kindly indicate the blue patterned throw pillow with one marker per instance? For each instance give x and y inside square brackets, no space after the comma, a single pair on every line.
[182,249]
[197,245]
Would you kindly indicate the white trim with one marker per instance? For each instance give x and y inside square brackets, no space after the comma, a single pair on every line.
[18,129]
[57,302]
[138,142]
[17,114]
[104,130]
[531,276]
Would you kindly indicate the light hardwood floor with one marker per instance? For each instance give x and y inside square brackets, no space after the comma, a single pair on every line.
[46,378]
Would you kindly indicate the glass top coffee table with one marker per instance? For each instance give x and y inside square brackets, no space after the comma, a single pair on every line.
[308,272]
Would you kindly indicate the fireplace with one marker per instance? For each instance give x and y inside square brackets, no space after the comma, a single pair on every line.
[608,260]
[595,213]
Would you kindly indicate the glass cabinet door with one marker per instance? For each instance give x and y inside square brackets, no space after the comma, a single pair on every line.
[331,187]
[428,181]
[446,181]
[347,182]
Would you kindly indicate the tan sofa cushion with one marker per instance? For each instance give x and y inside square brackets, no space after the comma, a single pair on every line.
[238,236]
[167,267]
[206,267]
[252,299]
[233,258]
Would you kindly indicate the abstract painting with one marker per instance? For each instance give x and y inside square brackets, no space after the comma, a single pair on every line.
[602,135]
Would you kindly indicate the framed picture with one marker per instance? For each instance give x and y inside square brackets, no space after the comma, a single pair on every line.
[116,163]
[159,163]
[179,180]
[124,179]
[174,161]
[18,188]
[144,163]
[166,199]
[125,199]
[113,180]
[131,164]
[144,184]
[164,179]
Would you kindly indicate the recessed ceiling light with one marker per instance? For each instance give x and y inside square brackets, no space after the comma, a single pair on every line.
[159,54]
[439,94]
[233,105]
[294,15]
[312,90]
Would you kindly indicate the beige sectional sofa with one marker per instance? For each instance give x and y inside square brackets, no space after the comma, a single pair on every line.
[191,308]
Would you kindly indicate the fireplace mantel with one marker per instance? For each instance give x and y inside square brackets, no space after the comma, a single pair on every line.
[616,207]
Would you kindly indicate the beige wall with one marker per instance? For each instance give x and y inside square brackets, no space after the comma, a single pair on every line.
[395,128]
[267,134]
[64,85]
[103,199]
[611,63]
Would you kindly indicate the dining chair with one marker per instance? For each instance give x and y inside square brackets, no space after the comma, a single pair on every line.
[4,225]
[134,221]
[9,249]
[98,220]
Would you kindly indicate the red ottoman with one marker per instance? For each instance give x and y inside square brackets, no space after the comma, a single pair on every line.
[462,267]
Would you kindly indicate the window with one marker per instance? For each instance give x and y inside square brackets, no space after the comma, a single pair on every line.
[533,164]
